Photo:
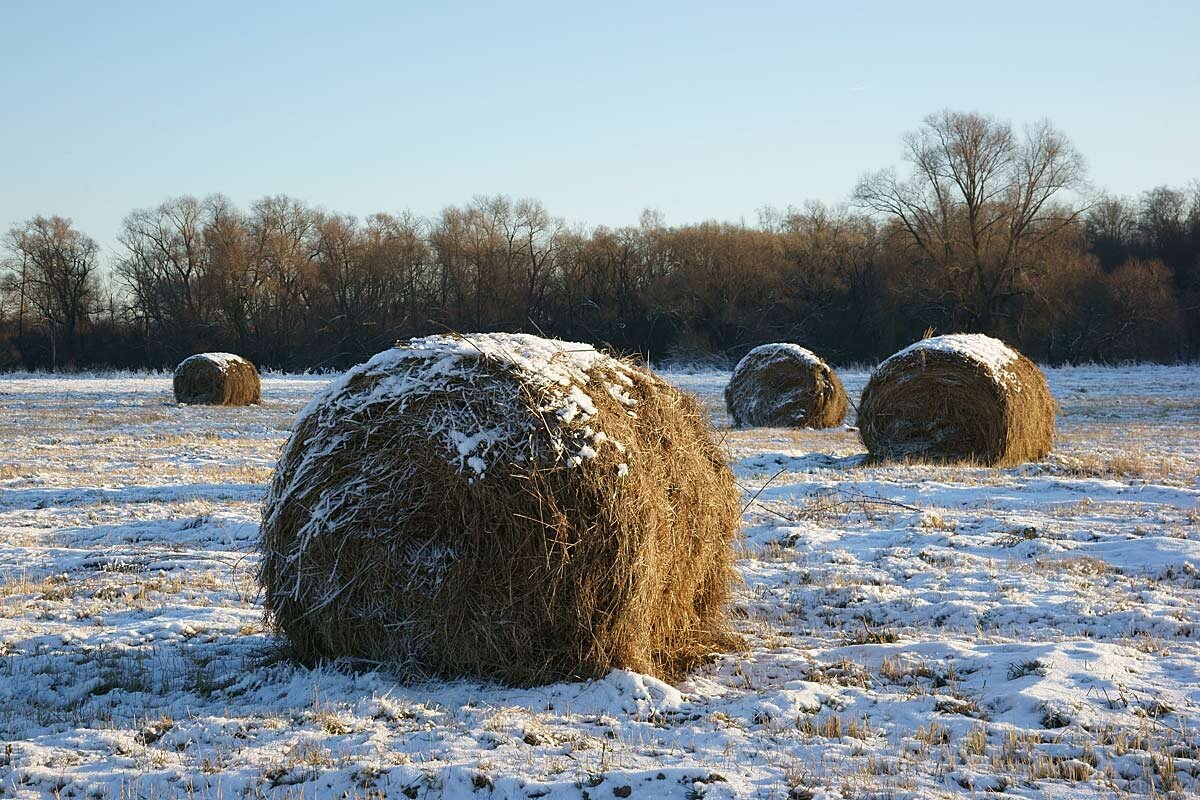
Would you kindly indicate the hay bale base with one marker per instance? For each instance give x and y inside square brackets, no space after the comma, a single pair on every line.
[219,379]
[785,386]
[958,398]
[504,507]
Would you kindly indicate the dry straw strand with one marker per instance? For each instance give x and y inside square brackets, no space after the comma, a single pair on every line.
[958,398]
[221,379]
[504,507]
[785,385]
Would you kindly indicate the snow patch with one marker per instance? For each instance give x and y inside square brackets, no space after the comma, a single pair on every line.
[554,374]
[223,361]
[782,350]
[993,354]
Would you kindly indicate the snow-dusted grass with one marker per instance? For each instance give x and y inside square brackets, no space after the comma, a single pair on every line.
[913,631]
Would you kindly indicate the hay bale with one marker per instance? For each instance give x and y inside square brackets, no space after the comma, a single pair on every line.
[219,379]
[501,506]
[785,386]
[964,397]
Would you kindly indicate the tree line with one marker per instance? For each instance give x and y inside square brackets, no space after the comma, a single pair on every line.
[987,229]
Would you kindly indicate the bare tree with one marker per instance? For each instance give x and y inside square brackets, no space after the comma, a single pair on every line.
[538,236]
[977,204]
[497,258]
[282,241]
[1146,321]
[1111,224]
[167,268]
[57,278]
[227,239]
[397,256]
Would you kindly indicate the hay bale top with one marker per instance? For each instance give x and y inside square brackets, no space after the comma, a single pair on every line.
[549,389]
[781,350]
[993,355]
[222,361]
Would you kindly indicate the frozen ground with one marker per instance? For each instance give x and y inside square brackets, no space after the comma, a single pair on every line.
[912,632]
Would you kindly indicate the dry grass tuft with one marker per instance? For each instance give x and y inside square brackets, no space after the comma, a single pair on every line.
[785,386]
[218,379]
[942,406]
[380,544]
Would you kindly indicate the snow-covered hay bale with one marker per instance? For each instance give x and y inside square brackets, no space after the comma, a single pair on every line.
[220,379]
[785,386]
[963,397]
[501,506]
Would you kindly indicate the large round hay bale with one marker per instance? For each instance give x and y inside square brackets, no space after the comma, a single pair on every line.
[501,506]
[218,379]
[963,397]
[785,386]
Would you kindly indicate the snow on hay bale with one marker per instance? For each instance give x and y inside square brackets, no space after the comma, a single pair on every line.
[221,379]
[963,397]
[785,385]
[502,506]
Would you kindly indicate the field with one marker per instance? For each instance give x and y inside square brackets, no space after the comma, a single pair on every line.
[912,631]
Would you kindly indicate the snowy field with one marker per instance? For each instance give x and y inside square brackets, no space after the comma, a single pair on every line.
[911,631]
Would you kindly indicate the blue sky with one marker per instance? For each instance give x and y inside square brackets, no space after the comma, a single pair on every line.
[701,110]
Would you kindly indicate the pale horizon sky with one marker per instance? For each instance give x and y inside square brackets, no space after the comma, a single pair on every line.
[701,110]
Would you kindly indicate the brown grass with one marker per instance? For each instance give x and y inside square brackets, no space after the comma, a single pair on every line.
[779,389]
[931,405]
[218,379]
[532,572]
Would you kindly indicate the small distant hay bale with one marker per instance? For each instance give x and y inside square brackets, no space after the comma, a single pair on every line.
[785,386]
[963,397]
[219,379]
[505,507]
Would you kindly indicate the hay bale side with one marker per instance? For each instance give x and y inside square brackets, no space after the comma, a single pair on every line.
[963,397]
[785,386]
[219,379]
[505,507]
